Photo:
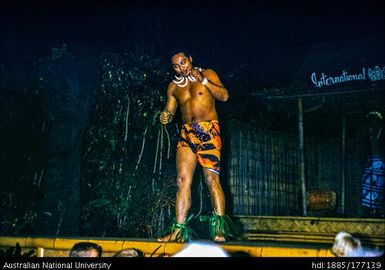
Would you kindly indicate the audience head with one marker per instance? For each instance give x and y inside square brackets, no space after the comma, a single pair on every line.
[86,249]
[240,253]
[345,245]
[129,252]
[202,250]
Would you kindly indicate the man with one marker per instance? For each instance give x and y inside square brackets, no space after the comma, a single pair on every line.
[86,249]
[195,91]
[201,250]
[345,245]
[373,179]
[129,252]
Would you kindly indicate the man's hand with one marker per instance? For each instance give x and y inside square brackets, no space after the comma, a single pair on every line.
[165,117]
[197,75]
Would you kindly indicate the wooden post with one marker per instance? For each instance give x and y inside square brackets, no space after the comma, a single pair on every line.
[343,163]
[302,155]
[40,252]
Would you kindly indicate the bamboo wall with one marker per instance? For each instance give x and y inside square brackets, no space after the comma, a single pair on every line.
[263,172]
[264,176]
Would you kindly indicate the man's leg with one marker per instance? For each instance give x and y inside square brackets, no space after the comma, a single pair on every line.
[185,165]
[217,196]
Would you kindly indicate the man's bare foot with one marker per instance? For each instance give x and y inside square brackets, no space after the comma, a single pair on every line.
[219,238]
[172,237]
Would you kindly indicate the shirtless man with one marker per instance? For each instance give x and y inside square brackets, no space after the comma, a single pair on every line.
[195,91]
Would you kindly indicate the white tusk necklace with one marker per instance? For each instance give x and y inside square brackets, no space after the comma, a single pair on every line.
[182,81]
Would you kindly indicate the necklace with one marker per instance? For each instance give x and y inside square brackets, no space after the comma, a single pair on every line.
[182,81]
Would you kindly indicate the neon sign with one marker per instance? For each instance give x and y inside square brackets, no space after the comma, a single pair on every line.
[324,79]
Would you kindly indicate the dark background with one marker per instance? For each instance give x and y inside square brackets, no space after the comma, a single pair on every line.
[55,107]
[227,35]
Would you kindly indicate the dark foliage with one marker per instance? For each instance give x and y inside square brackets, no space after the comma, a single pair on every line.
[16,251]
[128,181]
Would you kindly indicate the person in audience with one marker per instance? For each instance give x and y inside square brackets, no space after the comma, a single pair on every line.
[86,249]
[129,252]
[346,245]
[240,253]
[201,250]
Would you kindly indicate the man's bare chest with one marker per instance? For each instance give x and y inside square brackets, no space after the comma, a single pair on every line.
[192,92]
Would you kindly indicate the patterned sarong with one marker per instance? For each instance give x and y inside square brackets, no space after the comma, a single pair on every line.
[204,140]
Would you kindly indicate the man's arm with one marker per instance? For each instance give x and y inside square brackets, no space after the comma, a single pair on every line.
[169,110]
[211,81]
